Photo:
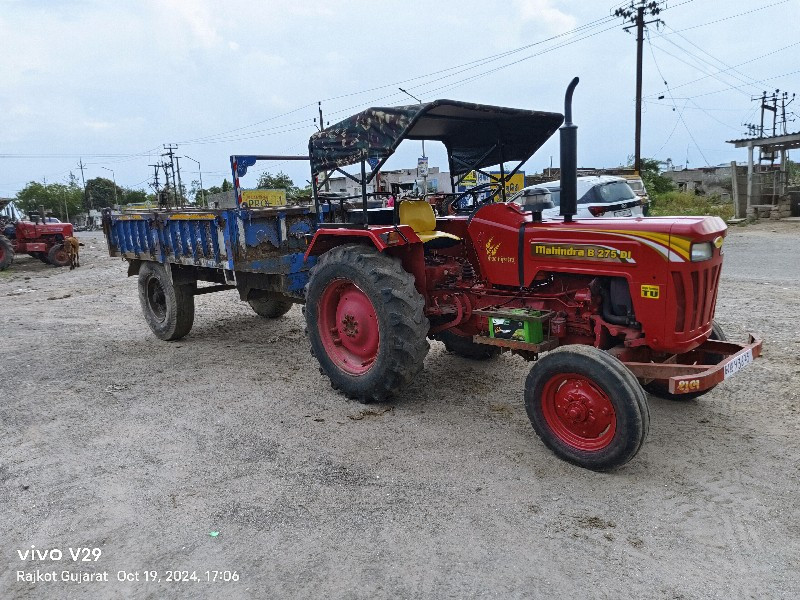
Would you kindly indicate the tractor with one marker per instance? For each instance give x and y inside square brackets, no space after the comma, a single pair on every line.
[36,237]
[605,307]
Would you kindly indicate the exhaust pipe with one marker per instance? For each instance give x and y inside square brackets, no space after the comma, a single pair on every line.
[569,159]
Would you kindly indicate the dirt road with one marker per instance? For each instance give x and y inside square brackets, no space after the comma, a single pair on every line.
[114,440]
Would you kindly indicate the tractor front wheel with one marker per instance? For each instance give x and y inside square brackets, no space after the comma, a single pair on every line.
[168,309]
[6,253]
[587,407]
[273,306]
[660,389]
[58,256]
[365,322]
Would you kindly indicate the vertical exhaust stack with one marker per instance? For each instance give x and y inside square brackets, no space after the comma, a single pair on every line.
[569,159]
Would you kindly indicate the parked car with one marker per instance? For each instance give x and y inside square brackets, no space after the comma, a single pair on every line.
[598,196]
[637,185]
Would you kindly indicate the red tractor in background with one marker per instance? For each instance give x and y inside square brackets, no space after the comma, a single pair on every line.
[38,238]
[619,305]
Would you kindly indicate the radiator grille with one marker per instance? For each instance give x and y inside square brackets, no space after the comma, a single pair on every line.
[695,297]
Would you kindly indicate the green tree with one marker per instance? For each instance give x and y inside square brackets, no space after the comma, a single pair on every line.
[281,181]
[654,181]
[135,196]
[58,199]
[101,193]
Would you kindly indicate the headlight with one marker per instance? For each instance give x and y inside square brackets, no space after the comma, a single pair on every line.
[702,251]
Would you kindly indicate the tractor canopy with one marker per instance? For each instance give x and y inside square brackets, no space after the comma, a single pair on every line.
[475,135]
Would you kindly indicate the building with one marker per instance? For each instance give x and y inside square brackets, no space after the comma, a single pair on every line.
[394,181]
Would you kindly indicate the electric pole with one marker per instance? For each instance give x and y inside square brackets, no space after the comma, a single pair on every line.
[180,184]
[636,13]
[87,204]
[321,127]
[170,151]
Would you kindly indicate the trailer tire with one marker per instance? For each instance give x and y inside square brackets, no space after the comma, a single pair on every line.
[58,256]
[6,253]
[167,308]
[365,322]
[587,407]
[464,346]
[660,389]
[273,306]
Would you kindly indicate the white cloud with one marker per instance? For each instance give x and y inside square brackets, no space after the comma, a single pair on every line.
[543,12]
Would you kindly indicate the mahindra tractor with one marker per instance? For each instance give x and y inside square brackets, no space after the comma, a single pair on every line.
[606,308]
[36,237]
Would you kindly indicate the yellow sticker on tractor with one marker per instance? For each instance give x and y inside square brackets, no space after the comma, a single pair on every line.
[651,291]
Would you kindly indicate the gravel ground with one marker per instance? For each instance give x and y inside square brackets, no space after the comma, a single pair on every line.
[114,440]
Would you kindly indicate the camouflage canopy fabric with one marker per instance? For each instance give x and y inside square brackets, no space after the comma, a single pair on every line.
[475,135]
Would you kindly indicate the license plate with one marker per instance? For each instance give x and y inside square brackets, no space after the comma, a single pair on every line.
[623,213]
[738,363]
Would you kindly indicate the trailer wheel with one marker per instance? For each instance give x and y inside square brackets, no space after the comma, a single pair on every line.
[660,389]
[58,256]
[587,407]
[168,309]
[6,253]
[365,322]
[464,346]
[273,306]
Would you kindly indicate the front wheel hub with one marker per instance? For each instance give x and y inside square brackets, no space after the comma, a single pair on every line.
[579,412]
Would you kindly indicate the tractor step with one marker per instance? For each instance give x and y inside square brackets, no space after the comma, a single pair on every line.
[543,346]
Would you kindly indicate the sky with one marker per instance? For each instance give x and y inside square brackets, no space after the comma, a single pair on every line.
[110,82]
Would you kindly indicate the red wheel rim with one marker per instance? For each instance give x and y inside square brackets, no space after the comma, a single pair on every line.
[61,256]
[348,327]
[578,412]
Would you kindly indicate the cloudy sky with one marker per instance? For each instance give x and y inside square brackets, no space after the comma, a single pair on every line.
[112,81]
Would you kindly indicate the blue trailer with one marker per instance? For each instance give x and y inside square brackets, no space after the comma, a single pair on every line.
[259,251]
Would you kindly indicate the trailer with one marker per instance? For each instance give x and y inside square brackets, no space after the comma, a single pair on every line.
[256,250]
[603,308]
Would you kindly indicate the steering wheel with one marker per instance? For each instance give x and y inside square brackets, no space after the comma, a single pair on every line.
[473,192]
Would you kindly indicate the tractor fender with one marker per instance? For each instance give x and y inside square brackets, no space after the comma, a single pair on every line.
[379,237]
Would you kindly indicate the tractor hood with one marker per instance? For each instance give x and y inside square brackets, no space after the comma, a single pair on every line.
[475,135]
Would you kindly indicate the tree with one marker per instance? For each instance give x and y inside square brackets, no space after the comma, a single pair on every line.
[101,193]
[654,181]
[281,181]
[58,199]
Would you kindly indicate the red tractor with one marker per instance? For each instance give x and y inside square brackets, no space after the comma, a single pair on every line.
[38,238]
[620,305]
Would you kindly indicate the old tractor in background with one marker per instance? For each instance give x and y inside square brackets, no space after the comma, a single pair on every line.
[603,306]
[36,237]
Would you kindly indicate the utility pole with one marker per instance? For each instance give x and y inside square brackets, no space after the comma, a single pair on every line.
[636,13]
[114,179]
[87,202]
[170,151]
[202,191]
[180,184]
[321,127]
[425,177]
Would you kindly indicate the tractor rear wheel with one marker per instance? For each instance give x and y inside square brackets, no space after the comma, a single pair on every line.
[273,306]
[365,322]
[168,309]
[6,253]
[464,346]
[660,389]
[587,407]
[58,256]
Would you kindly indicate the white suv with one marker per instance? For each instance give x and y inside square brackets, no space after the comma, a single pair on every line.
[598,196]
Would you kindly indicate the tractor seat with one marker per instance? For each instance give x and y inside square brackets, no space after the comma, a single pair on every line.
[418,215]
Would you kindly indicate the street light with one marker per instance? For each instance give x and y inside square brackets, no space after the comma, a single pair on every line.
[424,177]
[202,191]
[114,179]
